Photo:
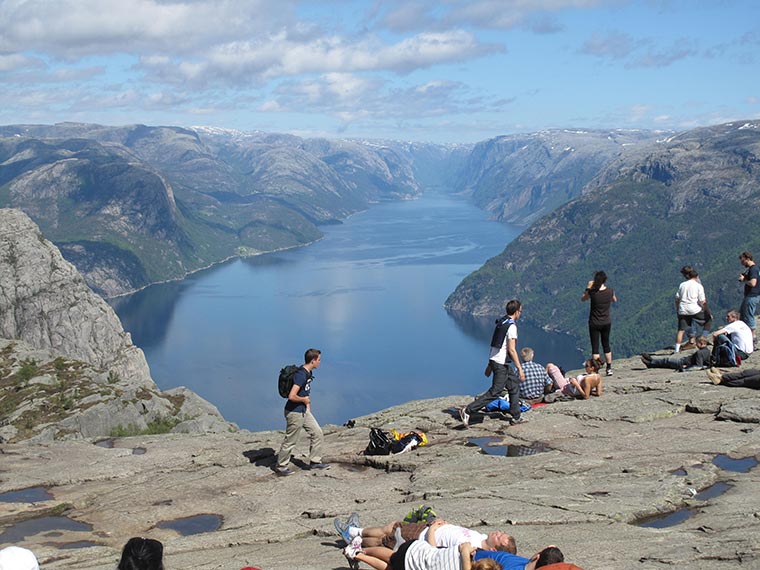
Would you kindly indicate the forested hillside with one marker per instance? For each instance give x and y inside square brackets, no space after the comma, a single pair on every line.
[691,199]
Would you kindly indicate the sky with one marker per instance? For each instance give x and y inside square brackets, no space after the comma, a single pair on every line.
[443,71]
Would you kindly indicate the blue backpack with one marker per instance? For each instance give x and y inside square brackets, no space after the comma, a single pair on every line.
[725,355]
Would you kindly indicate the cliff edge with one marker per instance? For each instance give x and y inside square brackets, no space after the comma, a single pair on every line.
[67,367]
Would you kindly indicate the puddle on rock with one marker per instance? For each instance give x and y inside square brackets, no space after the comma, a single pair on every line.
[18,532]
[740,465]
[107,443]
[679,472]
[139,451]
[28,495]
[193,525]
[487,446]
[73,545]
[666,520]
[714,490]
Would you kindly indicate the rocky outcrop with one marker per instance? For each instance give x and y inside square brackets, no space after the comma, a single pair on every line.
[68,367]
[583,475]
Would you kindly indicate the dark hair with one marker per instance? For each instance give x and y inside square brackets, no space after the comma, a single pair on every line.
[311,354]
[549,555]
[593,363]
[746,255]
[600,277]
[142,554]
[689,272]
[513,306]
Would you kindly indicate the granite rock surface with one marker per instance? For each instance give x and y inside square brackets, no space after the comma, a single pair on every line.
[582,475]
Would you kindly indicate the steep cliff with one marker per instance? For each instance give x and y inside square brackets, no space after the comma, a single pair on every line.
[689,199]
[67,367]
[519,178]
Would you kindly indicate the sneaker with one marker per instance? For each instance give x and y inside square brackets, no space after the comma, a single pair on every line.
[342,529]
[464,416]
[688,345]
[319,465]
[354,547]
[284,472]
[520,420]
[714,375]
[353,520]
[646,356]
[609,372]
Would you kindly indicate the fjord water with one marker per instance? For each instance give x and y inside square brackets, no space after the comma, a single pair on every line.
[370,295]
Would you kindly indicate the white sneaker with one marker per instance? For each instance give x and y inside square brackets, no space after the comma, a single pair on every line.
[354,547]
[464,416]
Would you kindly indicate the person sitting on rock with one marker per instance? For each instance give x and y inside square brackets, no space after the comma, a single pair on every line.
[747,378]
[564,385]
[444,535]
[698,360]
[537,381]
[142,554]
[735,332]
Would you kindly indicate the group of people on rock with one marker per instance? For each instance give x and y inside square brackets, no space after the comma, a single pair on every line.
[436,544]
[522,379]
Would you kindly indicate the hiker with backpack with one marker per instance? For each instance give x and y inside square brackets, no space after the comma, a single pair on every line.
[298,417]
[736,336]
[505,365]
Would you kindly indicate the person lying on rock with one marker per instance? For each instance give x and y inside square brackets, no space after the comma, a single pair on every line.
[417,555]
[747,378]
[698,360]
[583,386]
[443,534]
[543,558]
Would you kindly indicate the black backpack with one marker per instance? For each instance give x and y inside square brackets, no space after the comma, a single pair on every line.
[380,442]
[285,381]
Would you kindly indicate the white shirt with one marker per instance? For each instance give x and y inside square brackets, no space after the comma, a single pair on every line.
[690,297]
[501,355]
[741,335]
[422,556]
[449,535]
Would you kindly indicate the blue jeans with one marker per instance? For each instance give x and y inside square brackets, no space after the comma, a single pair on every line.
[747,310]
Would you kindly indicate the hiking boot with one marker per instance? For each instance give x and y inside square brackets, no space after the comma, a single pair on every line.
[714,375]
[353,520]
[284,472]
[646,356]
[464,416]
[342,530]
[319,465]
[688,345]
[646,361]
[609,372]
[520,420]
[354,547]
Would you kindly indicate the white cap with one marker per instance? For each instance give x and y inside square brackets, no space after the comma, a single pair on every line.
[17,558]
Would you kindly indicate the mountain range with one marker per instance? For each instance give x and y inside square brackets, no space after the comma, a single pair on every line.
[134,205]
[691,198]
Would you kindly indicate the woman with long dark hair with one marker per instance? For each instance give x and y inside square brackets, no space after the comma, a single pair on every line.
[599,320]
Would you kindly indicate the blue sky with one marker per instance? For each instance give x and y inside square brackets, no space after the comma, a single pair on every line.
[440,71]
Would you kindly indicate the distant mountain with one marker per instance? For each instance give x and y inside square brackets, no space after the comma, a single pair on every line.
[135,205]
[690,199]
[519,178]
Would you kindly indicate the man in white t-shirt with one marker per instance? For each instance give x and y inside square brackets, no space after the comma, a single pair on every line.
[737,332]
[504,363]
[690,304]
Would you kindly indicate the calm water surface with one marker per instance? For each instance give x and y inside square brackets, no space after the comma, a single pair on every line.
[370,295]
